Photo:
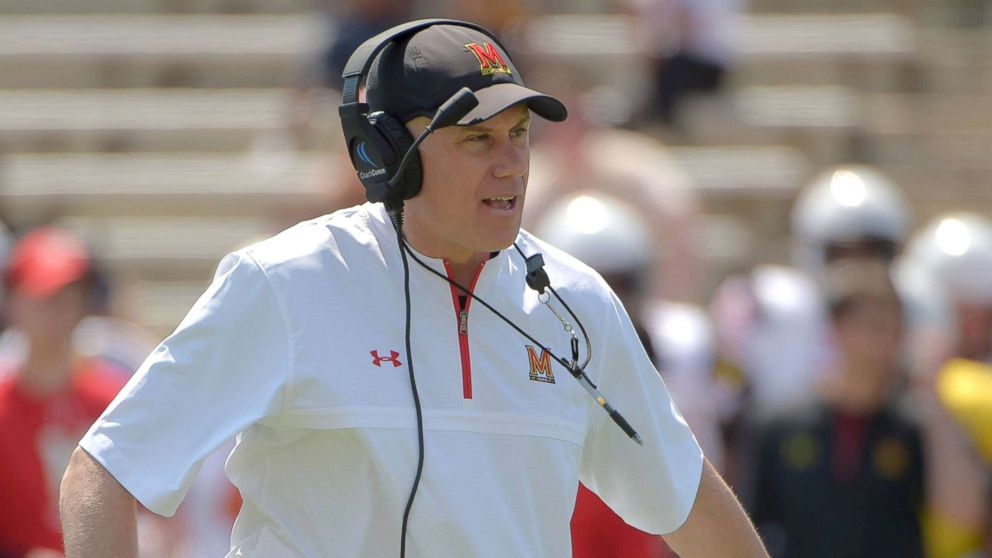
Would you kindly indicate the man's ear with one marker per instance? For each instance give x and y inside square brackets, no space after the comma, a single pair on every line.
[417,125]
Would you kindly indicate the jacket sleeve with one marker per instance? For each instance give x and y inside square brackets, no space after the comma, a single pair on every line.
[223,368]
[652,487]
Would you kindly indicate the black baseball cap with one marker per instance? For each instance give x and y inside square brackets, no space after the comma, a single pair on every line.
[415,75]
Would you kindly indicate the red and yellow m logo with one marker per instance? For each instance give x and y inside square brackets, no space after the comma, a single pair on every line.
[540,366]
[490,60]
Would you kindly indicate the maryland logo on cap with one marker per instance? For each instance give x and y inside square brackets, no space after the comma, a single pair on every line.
[490,60]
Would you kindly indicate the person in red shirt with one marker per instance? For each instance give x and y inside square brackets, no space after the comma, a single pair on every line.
[53,396]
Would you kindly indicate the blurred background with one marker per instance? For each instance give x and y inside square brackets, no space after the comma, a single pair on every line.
[167,132]
[758,179]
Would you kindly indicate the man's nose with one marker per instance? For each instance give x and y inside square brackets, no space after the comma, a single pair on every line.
[513,161]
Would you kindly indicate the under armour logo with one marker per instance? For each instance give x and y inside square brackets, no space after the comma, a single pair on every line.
[393,357]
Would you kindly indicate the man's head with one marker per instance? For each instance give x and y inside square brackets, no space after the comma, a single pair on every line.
[47,286]
[466,187]
[413,75]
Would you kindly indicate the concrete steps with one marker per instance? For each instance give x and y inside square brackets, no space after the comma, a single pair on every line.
[99,184]
[136,50]
[166,246]
[93,120]
[155,50]
[152,7]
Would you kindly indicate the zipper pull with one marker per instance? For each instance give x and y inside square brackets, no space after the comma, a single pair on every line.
[462,322]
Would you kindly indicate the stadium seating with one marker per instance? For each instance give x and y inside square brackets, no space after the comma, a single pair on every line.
[145,125]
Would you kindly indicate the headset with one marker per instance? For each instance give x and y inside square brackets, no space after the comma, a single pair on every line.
[379,142]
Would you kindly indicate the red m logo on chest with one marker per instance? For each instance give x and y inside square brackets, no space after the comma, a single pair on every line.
[540,366]
[393,357]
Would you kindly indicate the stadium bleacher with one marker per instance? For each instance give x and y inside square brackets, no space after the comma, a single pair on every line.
[132,123]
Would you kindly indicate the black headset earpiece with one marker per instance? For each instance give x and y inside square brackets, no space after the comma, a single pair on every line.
[377,141]
[396,131]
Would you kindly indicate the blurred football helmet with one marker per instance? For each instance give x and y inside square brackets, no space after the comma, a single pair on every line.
[603,232]
[843,205]
[957,249]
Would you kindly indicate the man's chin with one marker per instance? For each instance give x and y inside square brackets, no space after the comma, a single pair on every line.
[505,239]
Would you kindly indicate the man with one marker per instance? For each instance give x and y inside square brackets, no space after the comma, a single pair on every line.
[48,400]
[297,347]
[842,476]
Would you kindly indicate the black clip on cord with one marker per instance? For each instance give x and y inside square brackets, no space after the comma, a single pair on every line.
[538,280]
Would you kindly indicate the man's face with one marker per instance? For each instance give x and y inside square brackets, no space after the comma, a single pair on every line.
[472,197]
[870,332]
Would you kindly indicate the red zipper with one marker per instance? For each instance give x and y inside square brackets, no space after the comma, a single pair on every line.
[461,315]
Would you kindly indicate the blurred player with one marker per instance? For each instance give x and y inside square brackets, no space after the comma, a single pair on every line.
[952,254]
[771,325]
[842,474]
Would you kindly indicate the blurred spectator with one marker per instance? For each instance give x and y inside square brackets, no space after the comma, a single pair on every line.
[842,475]
[52,398]
[694,44]
[614,238]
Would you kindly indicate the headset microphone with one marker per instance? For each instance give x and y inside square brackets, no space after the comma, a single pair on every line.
[456,107]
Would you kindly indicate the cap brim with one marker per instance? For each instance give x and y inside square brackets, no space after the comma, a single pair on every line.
[501,96]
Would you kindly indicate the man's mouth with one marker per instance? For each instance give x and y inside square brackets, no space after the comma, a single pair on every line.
[505,203]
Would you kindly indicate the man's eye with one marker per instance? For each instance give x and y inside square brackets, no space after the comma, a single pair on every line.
[477,138]
[518,132]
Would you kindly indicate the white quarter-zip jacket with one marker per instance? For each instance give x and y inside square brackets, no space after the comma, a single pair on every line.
[297,348]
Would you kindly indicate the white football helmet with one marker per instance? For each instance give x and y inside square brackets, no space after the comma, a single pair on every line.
[846,203]
[957,249]
[602,231]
